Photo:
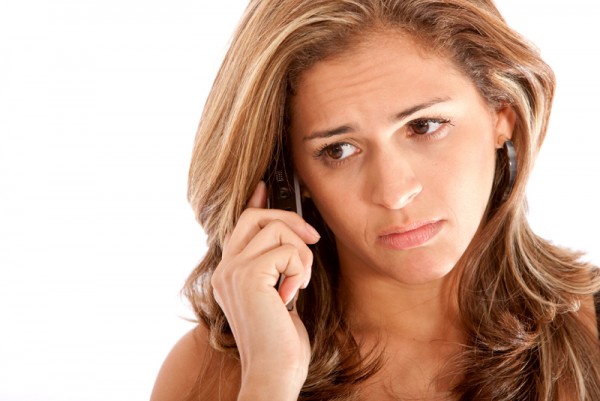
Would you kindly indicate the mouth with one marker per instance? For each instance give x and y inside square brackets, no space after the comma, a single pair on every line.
[411,236]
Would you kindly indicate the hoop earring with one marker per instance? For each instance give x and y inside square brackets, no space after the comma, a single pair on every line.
[508,162]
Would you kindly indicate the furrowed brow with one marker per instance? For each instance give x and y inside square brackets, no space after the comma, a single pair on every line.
[344,129]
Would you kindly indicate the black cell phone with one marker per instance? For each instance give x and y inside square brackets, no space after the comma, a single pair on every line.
[283,192]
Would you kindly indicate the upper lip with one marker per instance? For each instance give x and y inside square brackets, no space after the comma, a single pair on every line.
[406,227]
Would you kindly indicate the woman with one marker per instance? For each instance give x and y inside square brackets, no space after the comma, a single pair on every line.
[413,126]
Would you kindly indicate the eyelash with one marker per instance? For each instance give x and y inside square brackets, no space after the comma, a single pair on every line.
[444,123]
[320,153]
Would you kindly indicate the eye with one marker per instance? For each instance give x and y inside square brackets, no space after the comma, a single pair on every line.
[339,151]
[336,152]
[426,126]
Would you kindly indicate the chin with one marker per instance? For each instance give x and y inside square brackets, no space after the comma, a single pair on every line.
[425,267]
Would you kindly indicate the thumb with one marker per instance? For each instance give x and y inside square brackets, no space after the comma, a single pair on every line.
[258,199]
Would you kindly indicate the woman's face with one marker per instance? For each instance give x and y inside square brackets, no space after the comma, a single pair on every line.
[397,150]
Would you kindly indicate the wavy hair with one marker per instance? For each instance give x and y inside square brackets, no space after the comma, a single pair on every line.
[518,294]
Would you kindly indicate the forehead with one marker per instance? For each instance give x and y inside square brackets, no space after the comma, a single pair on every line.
[374,50]
[389,65]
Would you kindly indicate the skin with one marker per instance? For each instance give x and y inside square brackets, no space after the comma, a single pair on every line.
[389,177]
[389,180]
[433,164]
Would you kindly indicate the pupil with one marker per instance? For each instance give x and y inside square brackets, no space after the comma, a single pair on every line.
[421,127]
[335,151]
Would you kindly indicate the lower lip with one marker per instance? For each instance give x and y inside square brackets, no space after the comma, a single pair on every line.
[413,238]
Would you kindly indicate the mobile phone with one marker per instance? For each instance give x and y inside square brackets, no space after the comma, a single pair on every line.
[283,192]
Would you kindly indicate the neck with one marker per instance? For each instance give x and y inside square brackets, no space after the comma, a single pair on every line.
[416,326]
[381,305]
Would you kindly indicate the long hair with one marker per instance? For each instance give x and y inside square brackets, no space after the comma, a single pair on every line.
[518,294]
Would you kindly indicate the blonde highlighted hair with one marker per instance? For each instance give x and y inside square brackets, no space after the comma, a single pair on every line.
[518,294]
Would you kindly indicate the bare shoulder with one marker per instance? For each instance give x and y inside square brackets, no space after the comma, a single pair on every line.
[194,371]
[182,367]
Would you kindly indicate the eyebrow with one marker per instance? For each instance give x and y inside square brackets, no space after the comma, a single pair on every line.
[343,129]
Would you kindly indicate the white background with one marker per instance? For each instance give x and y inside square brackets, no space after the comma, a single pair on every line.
[99,102]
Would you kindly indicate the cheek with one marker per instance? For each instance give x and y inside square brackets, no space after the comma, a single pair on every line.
[327,197]
[338,203]
[467,182]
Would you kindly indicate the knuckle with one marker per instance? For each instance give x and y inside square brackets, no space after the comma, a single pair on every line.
[215,279]
[245,216]
[249,215]
[294,258]
[308,256]
[246,213]
[276,225]
[221,275]
[290,249]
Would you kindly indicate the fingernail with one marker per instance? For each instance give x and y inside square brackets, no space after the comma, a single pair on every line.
[290,302]
[305,283]
[312,230]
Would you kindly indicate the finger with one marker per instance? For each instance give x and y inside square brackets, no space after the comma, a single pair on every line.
[284,260]
[239,285]
[275,234]
[252,221]
[288,291]
[258,199]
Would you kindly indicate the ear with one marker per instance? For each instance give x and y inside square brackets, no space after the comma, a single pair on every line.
[504,124]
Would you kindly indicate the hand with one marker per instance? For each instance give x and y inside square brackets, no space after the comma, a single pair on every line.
[272,341]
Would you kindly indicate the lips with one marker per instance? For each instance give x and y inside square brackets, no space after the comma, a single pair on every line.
[411,236]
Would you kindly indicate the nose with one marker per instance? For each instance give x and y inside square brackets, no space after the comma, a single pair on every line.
[393,182]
